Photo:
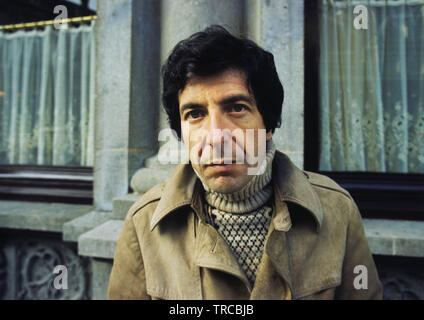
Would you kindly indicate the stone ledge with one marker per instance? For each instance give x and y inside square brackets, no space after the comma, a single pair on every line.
[76,227]
[39,216]
[100,242]
[145,178]
[122,204]
[385,237]
[395,237]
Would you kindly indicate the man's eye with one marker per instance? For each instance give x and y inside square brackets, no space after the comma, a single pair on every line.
[194,114]
[238,108]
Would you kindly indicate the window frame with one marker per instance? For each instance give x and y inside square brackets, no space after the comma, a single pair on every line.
[46,183]
[378,195]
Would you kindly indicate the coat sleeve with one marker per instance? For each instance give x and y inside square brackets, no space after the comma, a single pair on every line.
[360,279]
[127,279]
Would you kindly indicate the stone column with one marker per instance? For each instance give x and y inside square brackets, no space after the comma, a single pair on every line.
[180,19]
[127,94]
[277,26]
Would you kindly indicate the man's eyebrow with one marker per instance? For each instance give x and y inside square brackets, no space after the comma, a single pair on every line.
[227,100]
[236,98]
[190,106]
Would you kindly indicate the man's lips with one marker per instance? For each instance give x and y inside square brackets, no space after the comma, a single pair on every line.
[221,167]
[221,162]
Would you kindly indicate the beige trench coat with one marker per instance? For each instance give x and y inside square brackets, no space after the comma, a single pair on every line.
[167,250]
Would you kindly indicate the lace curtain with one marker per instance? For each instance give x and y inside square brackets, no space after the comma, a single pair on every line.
[372,87]
[47,96]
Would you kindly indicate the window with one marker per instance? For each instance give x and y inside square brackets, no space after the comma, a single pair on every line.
[365,97]
[47,109]
[46,97]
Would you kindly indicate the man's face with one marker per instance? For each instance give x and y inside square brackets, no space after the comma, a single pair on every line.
[216,113]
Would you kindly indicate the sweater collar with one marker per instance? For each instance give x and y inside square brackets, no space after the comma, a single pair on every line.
[252,196]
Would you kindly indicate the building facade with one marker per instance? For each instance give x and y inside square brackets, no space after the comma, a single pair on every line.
[132,40]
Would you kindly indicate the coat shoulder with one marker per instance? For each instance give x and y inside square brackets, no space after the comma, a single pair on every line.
[323,182]
[153,195]
[335,201]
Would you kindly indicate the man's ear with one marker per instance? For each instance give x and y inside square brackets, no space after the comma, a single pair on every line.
[269,135]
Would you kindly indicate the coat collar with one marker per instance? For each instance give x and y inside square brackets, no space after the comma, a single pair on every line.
[290,185]
[179,191]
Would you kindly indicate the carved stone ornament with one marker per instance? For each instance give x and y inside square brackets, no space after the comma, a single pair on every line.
[401,285]
[37,262]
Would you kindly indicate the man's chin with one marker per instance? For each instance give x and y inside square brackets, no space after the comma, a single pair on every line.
[225,184]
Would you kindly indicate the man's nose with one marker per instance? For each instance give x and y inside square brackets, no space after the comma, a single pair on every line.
[216,120]
[216,127]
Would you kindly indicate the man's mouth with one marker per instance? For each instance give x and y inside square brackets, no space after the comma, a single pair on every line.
[223,162]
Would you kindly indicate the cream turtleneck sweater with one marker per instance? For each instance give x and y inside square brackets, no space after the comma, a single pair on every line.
[243,218]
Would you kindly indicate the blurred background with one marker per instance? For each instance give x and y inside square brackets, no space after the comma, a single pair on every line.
[80,116]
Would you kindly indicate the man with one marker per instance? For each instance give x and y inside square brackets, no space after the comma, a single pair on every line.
[225,226]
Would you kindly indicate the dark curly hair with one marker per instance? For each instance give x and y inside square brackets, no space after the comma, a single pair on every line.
[213,51]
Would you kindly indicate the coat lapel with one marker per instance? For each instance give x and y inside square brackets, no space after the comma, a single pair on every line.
[273,278]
